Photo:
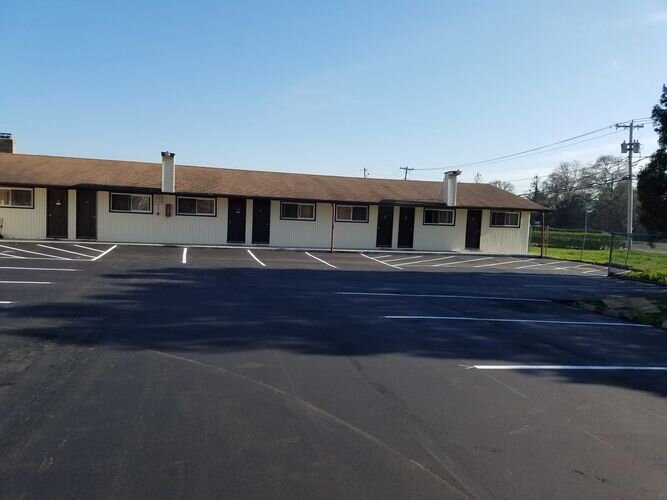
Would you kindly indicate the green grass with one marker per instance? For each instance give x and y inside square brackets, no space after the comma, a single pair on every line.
[638,260]
[654,276]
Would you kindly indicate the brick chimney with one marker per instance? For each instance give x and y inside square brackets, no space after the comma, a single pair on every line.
[168,172]
[7,144]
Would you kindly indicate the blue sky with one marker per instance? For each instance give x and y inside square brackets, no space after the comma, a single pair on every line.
[329,87]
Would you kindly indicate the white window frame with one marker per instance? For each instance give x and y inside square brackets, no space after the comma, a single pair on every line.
[197,214]
[10,189]
[131,195]
[299,205]
[351,219]
[453,212]
[506,225]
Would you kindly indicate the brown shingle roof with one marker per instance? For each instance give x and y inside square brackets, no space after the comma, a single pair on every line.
[33,170]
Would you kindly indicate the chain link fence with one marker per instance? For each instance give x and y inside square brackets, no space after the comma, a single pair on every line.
[639,253]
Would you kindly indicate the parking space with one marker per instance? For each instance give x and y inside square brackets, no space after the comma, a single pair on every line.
[55,251]
[407,361]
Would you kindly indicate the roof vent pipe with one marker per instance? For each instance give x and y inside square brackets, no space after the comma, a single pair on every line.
[168,172]
[449,188]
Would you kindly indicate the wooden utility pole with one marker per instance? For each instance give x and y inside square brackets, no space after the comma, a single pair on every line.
[407,169]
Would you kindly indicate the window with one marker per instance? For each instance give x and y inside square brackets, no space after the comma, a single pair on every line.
[297,211]
[505,219]
[195,206]
[351,213]
[437,217]
[134,203]
[16,197]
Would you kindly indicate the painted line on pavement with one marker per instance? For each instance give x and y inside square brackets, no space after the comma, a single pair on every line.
[26,282]
[380,261]
[253,256]
[185,256]
[5,302]
[321,260]
[441,296]
[501,263]
[428,260]
[383,256]
[461,262]
[506,320]
[544,264]
[571,367]
[37,268]
[405,258]
[8,255]
[66,251]
[104,253]
[593,271]
[36,253]
[89,248]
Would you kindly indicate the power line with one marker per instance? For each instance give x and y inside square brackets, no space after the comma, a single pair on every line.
[525,151]
[407,169]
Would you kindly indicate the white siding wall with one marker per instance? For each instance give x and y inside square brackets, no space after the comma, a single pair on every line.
[504,239]
[301,233]
[357,235]
[25,223]
[435,238]
[154,228]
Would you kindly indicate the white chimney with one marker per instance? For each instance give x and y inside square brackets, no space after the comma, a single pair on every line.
[168,172]
[449,188]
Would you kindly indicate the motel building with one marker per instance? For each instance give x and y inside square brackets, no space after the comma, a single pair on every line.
[48,197]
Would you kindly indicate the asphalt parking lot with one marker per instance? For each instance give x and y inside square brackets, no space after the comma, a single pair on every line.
[137,371]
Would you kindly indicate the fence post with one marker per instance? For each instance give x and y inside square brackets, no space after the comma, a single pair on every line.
[611,250]
[542,237]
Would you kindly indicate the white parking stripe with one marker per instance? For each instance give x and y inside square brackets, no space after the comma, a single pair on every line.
[36,253]
[321,260]
[66,251]
[440,296]
[253,256]
[10,256]
[90,248]
[404,258]
[380,261]
[5,302]
[383,256]
[544,264]
[104,253]
[500,263]
[505,320]
[428,260]
[185,256]
[26,282]
[571,367]
[461,262]
[594,271]
[37,268]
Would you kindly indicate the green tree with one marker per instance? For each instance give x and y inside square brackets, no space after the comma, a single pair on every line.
[652,180]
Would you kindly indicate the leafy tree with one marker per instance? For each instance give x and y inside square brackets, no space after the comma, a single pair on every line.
[504,185]
[652,180]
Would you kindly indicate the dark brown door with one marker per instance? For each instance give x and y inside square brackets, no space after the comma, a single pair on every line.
[385,226]
[86,214]
[261,221]
[56,207]
[406,227]
[236,221]
[473,229]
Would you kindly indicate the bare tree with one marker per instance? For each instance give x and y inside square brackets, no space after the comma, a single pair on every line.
[504,185]
[478,179]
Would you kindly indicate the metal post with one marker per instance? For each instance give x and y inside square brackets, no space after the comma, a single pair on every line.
[542,237]
[333,220]
[583,246]
[611,252]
